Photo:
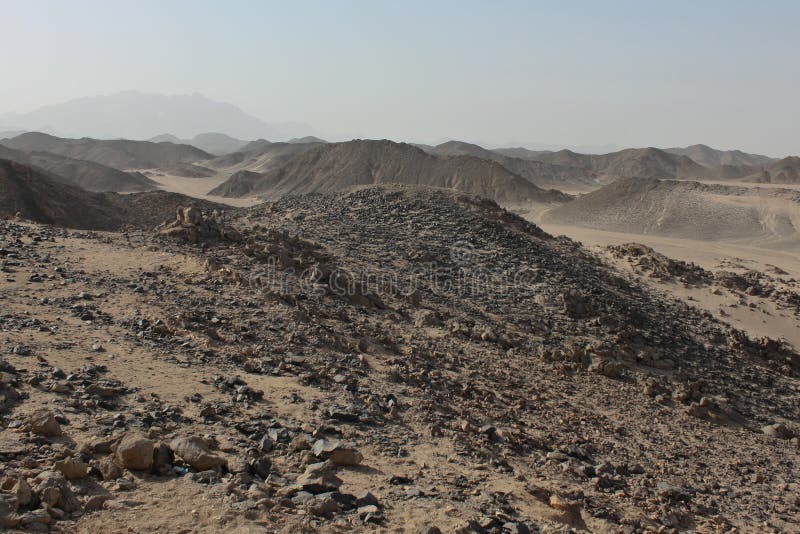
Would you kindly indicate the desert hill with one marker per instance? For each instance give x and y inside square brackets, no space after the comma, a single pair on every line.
[537,172]
[86,174]
[90,175]
[188,170]
[120,154]
[213,143]
[521,152]
[259,156]
[645,163]
[785,171]
[307,139]
[39,197]
[687,209]
[338,166]
[710,164]
[711,157]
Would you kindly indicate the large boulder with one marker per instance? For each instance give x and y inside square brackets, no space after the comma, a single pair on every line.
[135,452]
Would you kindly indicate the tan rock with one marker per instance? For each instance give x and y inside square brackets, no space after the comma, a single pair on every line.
[194,451]
[44,423]
[336,453]
[135,452]
[72,468]
[109,469]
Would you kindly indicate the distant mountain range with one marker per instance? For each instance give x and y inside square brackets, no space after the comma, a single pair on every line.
[309,165]
[136,115]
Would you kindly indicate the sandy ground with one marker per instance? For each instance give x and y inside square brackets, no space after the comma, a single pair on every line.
[199,188]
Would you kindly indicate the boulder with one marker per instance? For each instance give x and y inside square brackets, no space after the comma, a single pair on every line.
[95,503]
[319,478]
[44,423]
[336,453]
[194,451]
[72,468]
[322,505]
[109,469]
[135,452]
[609,368]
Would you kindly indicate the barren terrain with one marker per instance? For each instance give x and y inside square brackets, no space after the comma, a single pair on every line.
[386,358]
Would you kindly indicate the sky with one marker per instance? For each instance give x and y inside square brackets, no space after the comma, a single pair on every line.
[627,73]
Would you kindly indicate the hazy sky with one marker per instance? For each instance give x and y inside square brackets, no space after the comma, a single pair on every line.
[636,73]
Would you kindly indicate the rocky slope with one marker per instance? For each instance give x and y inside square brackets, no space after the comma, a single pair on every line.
[711,157]
[338,166]
[785,171]
[259,157]
[37,196]
[85,174]
[120,154]
[389,358]
[641,163]
[537,172]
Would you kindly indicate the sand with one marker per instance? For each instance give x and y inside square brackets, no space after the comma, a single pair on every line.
[199,188]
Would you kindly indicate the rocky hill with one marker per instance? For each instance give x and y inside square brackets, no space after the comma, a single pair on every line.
[37,196]
[390,358]
[711,157]
[785,171]
[643,163]
[690,210]
[537,172]
[259,157]
[338,166]
[85,174]
[120,154]
[213,143]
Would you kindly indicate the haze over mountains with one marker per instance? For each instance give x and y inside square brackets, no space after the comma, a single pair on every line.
[136,115]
